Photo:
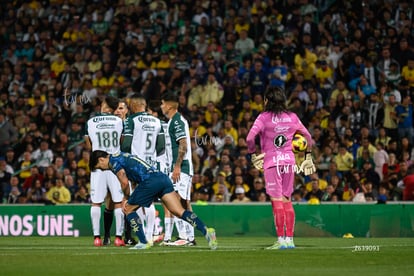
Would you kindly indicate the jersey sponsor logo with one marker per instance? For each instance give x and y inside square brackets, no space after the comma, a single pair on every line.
[105,126]
[148,128]
[178,128]
[276,120]
[104,118]
[280,141]
[281,129]
[281,157]
[180,134]
[143,119]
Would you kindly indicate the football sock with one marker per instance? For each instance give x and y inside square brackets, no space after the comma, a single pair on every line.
[168,225]
[108,218]
[192,219]
[119,221]
[189,231]
[95,219]
[150,221]
[127,229]
[279,217]
[179,224]
[290,218]
[136,226]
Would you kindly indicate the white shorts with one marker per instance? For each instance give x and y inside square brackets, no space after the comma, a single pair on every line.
[183,186]
[101,182]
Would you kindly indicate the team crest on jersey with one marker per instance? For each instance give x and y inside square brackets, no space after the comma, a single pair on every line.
[280,141]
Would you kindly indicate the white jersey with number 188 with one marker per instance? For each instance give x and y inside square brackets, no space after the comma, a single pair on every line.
[105,130]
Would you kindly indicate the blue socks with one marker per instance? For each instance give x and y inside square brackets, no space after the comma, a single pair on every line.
[136,226]
[192,219]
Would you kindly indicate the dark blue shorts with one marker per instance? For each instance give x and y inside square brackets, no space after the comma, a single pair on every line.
[154,187]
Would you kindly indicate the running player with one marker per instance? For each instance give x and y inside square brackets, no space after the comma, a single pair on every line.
[103,132]
[151,184]
[276,127]
[181,166]
[143,137]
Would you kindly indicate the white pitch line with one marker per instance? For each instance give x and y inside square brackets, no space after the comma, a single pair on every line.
[106,250]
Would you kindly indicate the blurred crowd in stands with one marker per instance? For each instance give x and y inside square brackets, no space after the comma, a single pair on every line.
[347,68]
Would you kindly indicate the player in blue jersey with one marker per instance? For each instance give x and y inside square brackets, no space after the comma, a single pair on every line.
[151,184]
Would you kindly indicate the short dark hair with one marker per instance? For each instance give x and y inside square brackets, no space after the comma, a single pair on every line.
[170,97]
[112,102]
[93,159]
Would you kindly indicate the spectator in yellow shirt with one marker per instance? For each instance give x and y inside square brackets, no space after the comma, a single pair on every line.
[197,129]
[257,104]
[212,91]
[84,161]
[211,108]
[194,95]
[322,183]
[58,194]
[407,72]
[344,160]
[95,64]
[58,65]
[366,146]
[230,130]
[305,63]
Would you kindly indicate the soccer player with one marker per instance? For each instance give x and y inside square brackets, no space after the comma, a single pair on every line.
[143,137]
[122,112]
[103,132]
[276,127]
[163,165]
[151,184]
[181,169]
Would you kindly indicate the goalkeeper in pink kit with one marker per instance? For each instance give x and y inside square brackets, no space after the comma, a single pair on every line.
[276,126]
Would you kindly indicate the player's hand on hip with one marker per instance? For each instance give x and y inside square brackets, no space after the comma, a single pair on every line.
[257,160]
[307,166]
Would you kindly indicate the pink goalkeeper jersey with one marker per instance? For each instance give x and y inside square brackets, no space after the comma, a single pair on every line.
[276,133]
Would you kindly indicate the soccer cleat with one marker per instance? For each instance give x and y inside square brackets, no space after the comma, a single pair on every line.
[290,244]
[166,243]
[278,245]
[141,246]
[129,242]
[107,241]
[119,242]
[180,242]
[158,238]
[191,243]
[211,238]
[97,241]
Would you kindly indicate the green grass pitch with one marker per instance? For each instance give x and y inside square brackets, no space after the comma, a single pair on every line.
[235,256]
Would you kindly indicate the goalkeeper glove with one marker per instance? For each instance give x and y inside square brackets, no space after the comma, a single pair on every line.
[307,166]
[257,161]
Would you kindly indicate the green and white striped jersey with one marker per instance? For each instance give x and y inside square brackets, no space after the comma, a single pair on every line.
[178,129]
[142,133]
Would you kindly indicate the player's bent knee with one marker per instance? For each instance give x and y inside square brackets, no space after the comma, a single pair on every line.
[130,209]
[184,203]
